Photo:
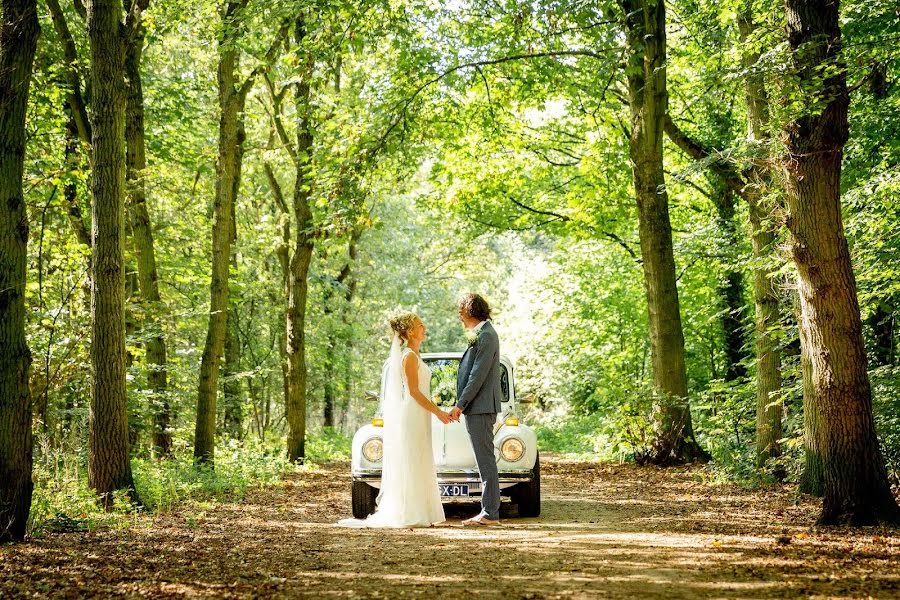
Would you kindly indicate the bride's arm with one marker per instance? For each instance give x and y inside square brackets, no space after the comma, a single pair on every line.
[411,368]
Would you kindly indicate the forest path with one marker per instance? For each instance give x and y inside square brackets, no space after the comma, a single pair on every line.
[607,531]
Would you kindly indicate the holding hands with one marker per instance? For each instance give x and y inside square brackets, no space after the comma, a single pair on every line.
[447,418]
[443,417]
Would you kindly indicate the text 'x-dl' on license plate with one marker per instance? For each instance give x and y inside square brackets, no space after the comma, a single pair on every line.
[454,489]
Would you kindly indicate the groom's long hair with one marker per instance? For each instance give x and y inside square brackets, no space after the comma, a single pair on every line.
[475,306]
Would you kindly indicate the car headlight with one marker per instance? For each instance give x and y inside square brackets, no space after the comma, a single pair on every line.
[373,450]
[512,449]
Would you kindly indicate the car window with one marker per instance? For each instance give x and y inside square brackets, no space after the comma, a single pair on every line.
[443,380]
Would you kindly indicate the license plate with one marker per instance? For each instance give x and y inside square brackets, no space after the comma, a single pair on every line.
[454,489]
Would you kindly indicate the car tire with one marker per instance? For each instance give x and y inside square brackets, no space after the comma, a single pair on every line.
[364,496]
[528,495]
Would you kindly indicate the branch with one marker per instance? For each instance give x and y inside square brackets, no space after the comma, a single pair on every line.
[688,182]
[538,211]
[693,149]
[275,187]
[277,98]
[133,19]
[266,64]
[73,78]
[403,106]
[623,244]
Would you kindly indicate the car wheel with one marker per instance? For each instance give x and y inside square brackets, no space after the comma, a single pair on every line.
[364,496]
[528,495]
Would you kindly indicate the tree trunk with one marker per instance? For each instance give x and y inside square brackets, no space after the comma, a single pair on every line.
[109,466]
[70,190]
[144,251]
[231,387]
[298,284]
[731,291]
[19,31]
[232,397]
[856,487]
[231,104]
[769,403]
[645,38]
[812,477]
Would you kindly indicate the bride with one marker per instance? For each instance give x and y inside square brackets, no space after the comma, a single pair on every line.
[409,495]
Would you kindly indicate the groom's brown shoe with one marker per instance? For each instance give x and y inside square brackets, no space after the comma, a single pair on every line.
[480,520]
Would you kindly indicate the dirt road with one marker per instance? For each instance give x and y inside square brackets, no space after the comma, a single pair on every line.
[607,531]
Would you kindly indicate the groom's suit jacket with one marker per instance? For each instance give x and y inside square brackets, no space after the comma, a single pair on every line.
[478,382]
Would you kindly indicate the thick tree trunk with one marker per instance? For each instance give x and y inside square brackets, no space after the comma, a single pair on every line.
[109,466]
[142,239]
[812,477]
[19,31]
[856,487]
[645,36]
[231,101]
[769,403]
[298,282]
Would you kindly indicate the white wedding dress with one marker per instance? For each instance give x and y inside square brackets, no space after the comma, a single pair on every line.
[409,495]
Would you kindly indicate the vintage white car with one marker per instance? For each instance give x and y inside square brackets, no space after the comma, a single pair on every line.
[515,446]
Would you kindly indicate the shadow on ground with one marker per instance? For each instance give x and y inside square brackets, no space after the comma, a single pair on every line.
[606,531]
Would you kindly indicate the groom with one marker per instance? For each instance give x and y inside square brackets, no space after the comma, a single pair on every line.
[478,397]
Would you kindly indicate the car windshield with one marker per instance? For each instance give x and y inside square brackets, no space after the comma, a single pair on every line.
[443,380]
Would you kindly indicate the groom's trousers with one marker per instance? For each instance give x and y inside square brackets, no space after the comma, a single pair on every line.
[481,432]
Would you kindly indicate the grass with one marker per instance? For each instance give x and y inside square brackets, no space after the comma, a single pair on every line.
[62,500]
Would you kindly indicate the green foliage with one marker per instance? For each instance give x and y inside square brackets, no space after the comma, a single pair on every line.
[63,501]
[509,177]
[886,406]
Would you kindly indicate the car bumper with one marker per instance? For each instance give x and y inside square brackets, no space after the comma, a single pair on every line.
[452,476]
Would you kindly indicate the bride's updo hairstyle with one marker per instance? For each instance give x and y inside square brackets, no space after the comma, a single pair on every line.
[402,324]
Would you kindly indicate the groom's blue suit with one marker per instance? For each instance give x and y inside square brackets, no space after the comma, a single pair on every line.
[478,394]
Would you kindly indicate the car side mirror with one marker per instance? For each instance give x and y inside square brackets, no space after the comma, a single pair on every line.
[372,396]
[528,399]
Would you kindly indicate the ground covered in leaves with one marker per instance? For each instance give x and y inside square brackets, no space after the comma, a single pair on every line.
[607,531]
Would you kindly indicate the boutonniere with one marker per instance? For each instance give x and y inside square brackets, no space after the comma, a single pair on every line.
[472,337]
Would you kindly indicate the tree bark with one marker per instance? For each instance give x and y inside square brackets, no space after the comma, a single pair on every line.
[70,190]
[231,387]
[109,466]
[298,278]
[812,477]
[769,403]
[142,240]
[645,39]
[283,252]
[731,291]
[231,105]
[856,489]
[19,31]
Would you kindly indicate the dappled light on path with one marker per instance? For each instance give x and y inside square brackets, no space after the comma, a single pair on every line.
[606,531]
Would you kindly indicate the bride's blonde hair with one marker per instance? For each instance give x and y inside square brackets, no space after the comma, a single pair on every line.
[402,324]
